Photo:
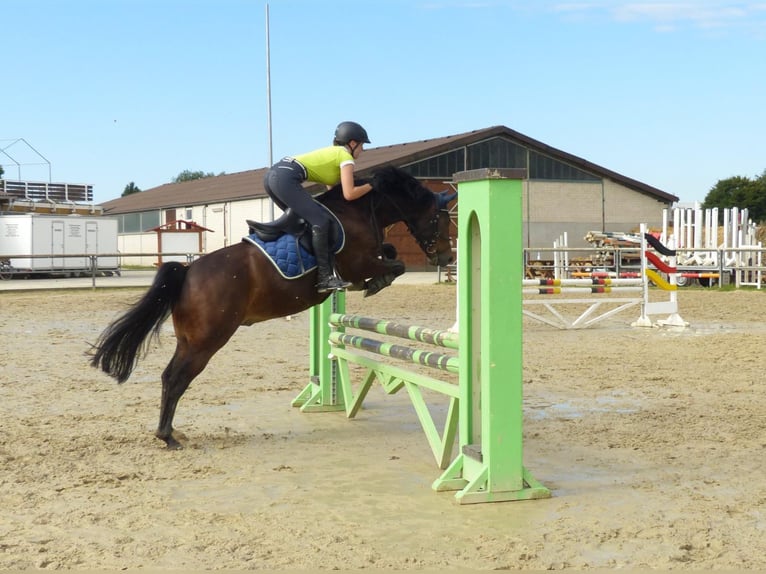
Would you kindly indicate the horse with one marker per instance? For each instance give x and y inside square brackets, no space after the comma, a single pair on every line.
[213,296]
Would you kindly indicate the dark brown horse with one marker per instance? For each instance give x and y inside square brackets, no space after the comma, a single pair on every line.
[239,285]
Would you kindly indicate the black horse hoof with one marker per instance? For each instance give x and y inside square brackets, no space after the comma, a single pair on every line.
[171,443]
[376,284]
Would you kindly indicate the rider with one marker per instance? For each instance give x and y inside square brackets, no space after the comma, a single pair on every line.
[328,165]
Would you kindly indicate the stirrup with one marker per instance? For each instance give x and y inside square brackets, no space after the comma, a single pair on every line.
[332,283]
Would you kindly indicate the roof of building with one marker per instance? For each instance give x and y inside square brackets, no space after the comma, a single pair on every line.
[249,184]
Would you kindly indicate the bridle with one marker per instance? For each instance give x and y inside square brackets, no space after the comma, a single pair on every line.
[427,244]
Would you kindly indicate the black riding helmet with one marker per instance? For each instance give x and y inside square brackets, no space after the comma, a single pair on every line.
[347,131]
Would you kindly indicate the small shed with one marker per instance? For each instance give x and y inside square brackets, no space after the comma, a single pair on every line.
[179,239]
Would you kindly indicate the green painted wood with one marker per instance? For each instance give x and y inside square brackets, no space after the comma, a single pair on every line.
[490,466]
[485,407]
[417,356]
[436,337]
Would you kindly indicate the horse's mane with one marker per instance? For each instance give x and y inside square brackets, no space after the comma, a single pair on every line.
[393,181]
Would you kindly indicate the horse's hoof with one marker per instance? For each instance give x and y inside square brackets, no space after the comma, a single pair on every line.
[171,443]
[377,284]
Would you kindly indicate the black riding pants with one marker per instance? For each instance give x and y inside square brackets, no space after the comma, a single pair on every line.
[283,184]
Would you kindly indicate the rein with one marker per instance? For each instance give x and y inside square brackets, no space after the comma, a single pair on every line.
[428,245]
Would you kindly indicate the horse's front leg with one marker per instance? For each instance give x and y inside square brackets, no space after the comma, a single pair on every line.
[378,267]
[393,269]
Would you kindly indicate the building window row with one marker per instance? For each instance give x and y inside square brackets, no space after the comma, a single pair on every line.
[137,222]
[500,153]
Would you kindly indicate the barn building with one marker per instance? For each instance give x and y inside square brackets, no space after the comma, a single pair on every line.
[562,193]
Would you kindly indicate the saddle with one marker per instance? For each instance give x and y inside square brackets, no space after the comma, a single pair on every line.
[290,223]
[287,241]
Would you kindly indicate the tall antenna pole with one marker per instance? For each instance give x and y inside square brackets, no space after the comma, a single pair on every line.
[268,99]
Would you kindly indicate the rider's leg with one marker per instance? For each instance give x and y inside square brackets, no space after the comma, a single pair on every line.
[326,279]
[285,186]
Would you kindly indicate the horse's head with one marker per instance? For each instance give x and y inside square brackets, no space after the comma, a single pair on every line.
[403,198]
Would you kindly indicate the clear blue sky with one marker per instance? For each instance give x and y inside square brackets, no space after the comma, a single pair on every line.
[672,94]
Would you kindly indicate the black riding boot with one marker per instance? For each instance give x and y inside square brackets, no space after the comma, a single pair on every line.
[327,281]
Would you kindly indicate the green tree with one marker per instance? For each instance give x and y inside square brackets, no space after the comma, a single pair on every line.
[757,199]
[188,175]
[731,192]
[130,189]
[2,171]
[742,192]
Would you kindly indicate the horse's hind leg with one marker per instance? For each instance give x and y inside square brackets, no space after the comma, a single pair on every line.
[176,378]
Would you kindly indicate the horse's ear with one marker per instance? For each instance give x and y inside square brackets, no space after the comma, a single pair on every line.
[444,198]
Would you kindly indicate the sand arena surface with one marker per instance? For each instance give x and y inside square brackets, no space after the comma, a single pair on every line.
[651,441]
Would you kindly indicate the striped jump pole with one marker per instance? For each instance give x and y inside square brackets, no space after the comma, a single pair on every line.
[591,310]
[584,282]
[658,307]
[579,286]
[324,391]
[417,356]
[412,332]
[345,349]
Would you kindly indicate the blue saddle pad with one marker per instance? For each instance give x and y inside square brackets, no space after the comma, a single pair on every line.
[290,258]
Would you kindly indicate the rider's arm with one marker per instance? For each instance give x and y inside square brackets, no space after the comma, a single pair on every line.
[351,191]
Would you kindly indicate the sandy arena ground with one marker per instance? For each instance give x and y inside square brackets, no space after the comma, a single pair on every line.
[652,442]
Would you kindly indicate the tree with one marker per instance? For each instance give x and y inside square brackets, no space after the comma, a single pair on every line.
[188,175]
[130,189]
[731,192]
[2,171]
[741,192]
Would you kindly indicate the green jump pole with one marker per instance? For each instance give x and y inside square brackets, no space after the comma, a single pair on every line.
[489,466]
[323,392]
[402,352]
[436,337]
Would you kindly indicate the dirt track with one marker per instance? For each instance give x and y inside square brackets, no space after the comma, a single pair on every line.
[652,442]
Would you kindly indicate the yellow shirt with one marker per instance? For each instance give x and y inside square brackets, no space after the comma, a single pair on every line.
[323,165]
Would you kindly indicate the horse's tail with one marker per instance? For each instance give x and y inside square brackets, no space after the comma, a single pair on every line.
[123,342]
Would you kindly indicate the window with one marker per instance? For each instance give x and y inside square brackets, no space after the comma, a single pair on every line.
[438,167]
[498,152]
[545,167]
[138,222]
